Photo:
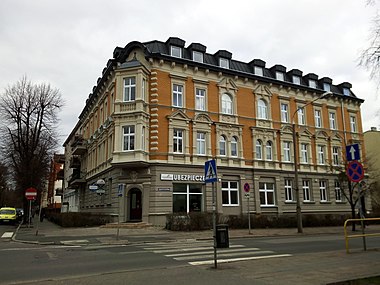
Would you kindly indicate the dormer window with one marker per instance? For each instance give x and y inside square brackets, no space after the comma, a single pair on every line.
[280,75]
[223,62]
[312,83]
[326,87]
[346,91]
[175,51]
[259,71]
[197,56]
[296,80]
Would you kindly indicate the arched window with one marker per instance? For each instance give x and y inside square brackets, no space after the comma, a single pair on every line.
[268,149]
[262,110]
[222,145]
[259,149]
[226,104]
[234,146]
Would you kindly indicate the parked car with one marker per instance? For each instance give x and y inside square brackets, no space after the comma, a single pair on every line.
[8,215]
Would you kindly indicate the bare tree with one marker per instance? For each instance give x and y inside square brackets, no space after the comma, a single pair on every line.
[29,122]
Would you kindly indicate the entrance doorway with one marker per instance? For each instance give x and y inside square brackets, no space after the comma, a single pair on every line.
[135,205]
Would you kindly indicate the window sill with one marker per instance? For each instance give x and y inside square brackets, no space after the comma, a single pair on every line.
[268,206]
[232,205]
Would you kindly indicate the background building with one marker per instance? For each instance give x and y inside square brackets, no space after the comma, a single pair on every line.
[160,110]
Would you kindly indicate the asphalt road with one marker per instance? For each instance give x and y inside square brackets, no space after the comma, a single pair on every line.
[184,262]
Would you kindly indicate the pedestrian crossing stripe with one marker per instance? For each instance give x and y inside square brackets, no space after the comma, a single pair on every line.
[209,262]
[7,235]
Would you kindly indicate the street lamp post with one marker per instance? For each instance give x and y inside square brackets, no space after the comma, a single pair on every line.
[295,151]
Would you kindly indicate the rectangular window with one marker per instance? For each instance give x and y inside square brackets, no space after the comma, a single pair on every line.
[304,153]
[197,56]
[143,138]
[143,89]
[306,190]
[338,191]
[346,91]
[327,87]
[335,155]
[222,146]
[323,190]
[230,193]
[353,124]
[258,71]
[129,89]
[296,79]
[234,147]
[312,83]
[177,141]
[284,113]
[128,138]
[301,116]
[175,51]
[177,95]
[266,191]
[288,190]
[287,151]
[201,143]
[318,119]
[223,62]
[280,76]
[332,121]
[187,198]
[200,99]
[321,154]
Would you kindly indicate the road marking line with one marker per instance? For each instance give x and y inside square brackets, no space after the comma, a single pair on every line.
[80,241]
[155,250]
[211,251]
[222,255]
[208,262]
[7,235]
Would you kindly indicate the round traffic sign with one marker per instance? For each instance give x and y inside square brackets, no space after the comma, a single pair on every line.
[246,187]
[355,171]
[31,193]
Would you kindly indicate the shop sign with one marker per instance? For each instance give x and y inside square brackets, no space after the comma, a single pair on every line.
[182,177]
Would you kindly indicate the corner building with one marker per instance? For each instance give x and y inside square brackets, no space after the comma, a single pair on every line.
[160,110]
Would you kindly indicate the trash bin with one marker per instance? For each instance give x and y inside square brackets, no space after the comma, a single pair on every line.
[222,240]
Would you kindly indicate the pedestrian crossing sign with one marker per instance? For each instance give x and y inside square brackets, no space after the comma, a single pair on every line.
[210,171]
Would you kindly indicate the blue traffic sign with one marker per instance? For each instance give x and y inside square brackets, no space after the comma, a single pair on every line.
[210,171]
[352,152]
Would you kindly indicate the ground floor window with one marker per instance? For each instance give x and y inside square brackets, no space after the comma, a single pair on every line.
[187,198]
[306,190]
[266,193]
[288,190]
[338,192]
[230,193]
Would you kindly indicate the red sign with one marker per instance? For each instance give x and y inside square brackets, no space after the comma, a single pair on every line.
[31,193]
[246,188]
[355,171]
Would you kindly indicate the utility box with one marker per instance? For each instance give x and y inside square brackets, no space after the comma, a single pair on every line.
[222,240]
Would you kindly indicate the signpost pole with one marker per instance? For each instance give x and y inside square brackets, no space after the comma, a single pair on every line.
[249,217]
[214,224]
[30,212]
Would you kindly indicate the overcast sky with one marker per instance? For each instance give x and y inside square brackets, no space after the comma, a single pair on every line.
[67,43]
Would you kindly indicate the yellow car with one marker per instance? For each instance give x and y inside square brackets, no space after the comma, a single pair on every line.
[8,215]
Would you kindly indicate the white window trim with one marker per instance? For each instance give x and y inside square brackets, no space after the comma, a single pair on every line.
[201,143]
[323,191]
[177,139]
[128,85]
[175,48]
[130,136]
[266,190]
[200,99]
[198,54]
[178,94]
[224,62]
[230,189]
[288,190]
[306,189]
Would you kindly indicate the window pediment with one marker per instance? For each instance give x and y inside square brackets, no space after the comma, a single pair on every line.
[262,90]
[227,84]
[179,115]
[203,118]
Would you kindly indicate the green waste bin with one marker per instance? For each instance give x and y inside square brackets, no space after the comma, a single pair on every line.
[222,240]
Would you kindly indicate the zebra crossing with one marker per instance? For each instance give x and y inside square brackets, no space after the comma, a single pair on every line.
[202,252]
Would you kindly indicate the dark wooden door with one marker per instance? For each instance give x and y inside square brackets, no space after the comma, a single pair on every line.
[135,205]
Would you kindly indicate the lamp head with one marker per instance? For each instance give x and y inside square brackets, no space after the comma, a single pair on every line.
[100,182]
[326,95]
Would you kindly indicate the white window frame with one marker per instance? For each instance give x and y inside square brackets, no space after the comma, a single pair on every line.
[338,191]
[296,80]
[284,113]
[129,89]
[227,104]
[280,76]
[232,188]
[234,146]
[266,190]
[332,119]
[200,99]
[318,118]
[176,51]
[269,150]
[143,88]
[353,123]
[259,149]
[262,109]
[258,70]
[306,190]
[222,146]
[335,155]
[201,143]
[288,190]
[304,153]
[346,91]
[312,83]
[323,190]
[129,138]
[177,95]
[224,62]
[287,152]
[178,140]
[301,116]
[321,152]
[327,87]
[198,56]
